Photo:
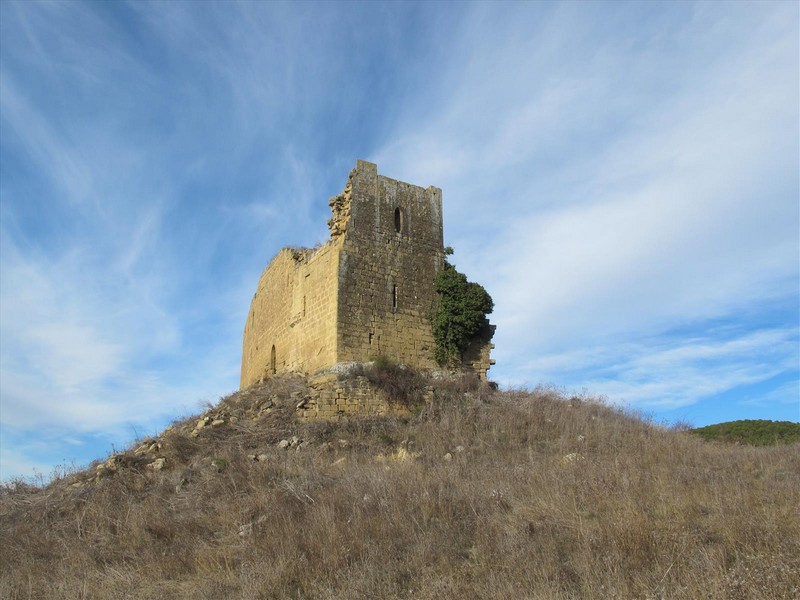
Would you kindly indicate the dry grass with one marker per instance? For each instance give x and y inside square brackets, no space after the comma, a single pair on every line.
[482,495]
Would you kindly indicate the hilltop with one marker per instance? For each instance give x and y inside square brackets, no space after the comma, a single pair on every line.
[757,432]
[477,493]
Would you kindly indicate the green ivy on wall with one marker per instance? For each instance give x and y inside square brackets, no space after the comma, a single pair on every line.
[460,316]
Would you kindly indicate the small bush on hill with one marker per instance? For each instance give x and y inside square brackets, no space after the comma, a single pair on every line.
[402,384]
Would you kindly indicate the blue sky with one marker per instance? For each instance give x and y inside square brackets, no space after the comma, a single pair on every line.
[622,178]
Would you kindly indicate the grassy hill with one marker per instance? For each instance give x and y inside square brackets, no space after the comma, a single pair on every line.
[754,432]
[481,494]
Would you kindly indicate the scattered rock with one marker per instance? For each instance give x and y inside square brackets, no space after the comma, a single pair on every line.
[247,528]
[157,464]
[103,472]
[263,457]
[148,447]
[448,457]
[571,458]
[344,444]
[402,455]
[283,444]
[217,422]
[459,449]
[145,447]
[500,497]
[111,463]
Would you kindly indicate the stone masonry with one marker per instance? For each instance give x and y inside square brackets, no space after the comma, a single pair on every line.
[367,292]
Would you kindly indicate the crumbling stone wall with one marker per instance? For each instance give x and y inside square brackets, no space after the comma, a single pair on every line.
[368,291]
[477,357]
[331,399]
[291,326]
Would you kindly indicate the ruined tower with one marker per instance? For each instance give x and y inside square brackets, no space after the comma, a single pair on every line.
[367,292]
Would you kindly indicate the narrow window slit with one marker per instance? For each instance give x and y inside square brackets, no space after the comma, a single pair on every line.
[398,220]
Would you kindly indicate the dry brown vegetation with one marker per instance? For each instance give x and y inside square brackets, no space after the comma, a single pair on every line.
[482,494]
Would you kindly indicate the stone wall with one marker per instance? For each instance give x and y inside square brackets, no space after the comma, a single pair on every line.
[294,312]
[331,399]
[477,356]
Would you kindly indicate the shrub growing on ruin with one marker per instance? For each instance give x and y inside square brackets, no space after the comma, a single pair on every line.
[402,384]
[460,316]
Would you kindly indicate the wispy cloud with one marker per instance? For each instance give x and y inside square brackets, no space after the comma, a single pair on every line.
[786,393]
[685,372]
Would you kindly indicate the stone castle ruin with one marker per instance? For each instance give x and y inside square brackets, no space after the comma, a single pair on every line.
[369,291]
